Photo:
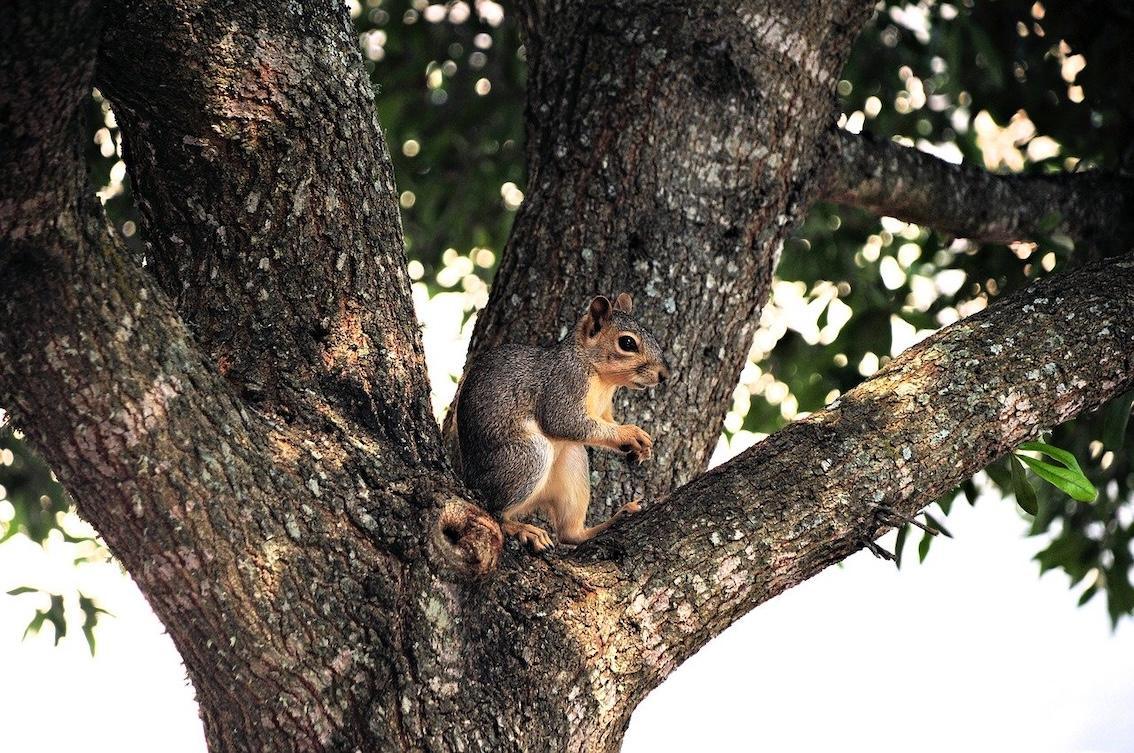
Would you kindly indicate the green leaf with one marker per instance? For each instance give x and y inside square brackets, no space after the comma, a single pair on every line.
[36,623]
[55,616]
[1088,594]
[923,547]
[1114,424]
[1063,456]
[935,523]
[900,544]
[1000,473]
[971,492]
[1074,483]
[1025,494]
[23,590]
[88,633]
[91,611]
[1119,594]
[1072,551]
[946,502]
[1049,510]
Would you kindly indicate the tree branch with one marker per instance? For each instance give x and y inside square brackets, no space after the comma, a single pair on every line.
[269,204]
[809,495]
[1095,209]
[39,124]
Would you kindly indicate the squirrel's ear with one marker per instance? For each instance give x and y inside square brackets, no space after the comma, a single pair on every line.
[624,303]
[598,314]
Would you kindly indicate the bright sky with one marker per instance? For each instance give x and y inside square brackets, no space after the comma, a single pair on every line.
[969,651]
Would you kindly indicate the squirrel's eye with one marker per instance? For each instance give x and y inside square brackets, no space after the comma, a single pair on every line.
[628,344]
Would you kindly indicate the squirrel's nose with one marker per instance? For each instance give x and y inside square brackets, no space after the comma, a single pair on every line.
[663,374]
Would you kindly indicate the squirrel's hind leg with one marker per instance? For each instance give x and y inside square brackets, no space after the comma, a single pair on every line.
[517,473]
[534,536]
[568,495]
[573,530]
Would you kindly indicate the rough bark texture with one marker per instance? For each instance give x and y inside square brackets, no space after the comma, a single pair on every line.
[285,261]
[270,532]
[248,427]
[1094,209]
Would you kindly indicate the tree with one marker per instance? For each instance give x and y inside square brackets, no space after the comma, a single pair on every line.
[245,419]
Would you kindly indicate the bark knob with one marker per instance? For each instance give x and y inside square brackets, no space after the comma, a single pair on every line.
[467,539]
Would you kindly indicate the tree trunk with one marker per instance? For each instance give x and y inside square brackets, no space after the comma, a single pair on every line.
[671,151]
[248,426]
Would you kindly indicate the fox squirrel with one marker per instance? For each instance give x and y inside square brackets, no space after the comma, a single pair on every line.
[524,416]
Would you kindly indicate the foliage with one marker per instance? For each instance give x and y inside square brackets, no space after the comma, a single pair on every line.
[35,497]
[33,504]
[54,613]
[450,94]
[1014,85]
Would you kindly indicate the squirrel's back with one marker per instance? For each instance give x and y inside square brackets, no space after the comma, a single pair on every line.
[500,386]
[497,404]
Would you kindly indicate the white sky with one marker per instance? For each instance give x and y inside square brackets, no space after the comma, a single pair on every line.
[970,651]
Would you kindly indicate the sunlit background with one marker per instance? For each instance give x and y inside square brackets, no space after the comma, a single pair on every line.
[970,649]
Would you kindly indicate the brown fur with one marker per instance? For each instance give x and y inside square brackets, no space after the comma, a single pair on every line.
[526,415]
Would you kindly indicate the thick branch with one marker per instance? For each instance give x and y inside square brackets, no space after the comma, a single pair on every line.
[269,204]
[38,123]
[809,496]
[1092,208]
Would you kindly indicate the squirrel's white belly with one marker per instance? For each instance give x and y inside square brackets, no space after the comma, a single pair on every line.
[569,477]
[565,479]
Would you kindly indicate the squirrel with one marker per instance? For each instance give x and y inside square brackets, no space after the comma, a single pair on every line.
[525,415]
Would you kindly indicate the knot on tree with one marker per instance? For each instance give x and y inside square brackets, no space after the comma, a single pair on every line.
[467,539]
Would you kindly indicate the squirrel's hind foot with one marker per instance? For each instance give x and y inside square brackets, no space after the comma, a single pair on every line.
[630,508]
[534,536]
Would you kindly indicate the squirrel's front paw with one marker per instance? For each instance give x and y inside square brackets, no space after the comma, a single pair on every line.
[635,442]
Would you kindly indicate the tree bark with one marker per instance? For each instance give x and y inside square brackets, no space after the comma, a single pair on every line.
[269,205]
[1093,209]
[270,528]
[247,426]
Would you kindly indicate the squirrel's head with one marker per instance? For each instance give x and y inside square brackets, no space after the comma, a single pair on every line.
[619,349]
